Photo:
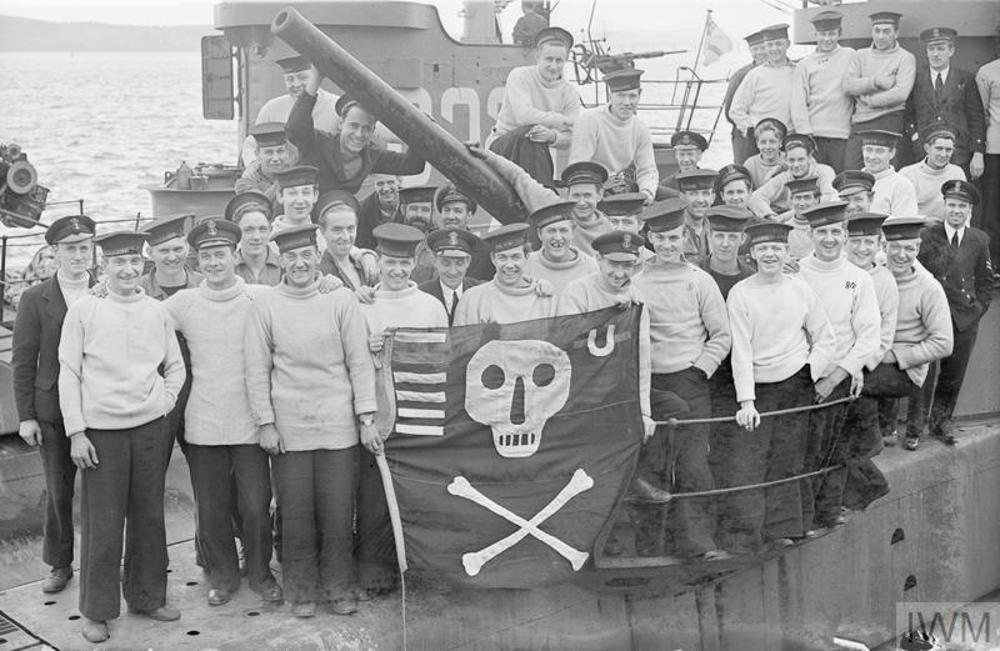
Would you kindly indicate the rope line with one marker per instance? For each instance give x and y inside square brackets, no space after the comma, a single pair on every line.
[744,487]
[679,422]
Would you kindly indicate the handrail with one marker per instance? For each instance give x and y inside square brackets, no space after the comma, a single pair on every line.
[735,489]
[678,422]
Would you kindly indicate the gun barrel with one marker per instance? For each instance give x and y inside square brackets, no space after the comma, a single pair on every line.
[440,148]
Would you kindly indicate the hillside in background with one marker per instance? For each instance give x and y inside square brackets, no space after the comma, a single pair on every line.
[29,35]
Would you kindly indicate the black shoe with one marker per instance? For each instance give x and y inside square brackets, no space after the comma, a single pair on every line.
[647,492]
[911,443]
[219,596]
[945,432]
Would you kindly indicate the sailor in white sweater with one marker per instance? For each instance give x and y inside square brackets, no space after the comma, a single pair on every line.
[782,343]
[848,295]
[864,242]
[615,137]
[120,371]
[510,297]
[893,194]
[766,91]
[929,174]
[558,261]
[820,107]
[690,337]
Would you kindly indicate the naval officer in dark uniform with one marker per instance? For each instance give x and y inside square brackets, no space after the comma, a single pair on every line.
[453,251]
[35,358]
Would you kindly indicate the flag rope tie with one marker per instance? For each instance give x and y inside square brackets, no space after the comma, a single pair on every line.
[680,422]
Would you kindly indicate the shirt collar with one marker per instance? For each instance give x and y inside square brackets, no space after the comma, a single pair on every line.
[943,73]
[950,232]
[448,291]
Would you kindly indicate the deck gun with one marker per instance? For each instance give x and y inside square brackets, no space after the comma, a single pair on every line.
[22,199]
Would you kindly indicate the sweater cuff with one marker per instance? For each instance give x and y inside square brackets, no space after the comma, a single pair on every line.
[904,357]
[364,406]
[707,365]
[263,417]
[73,423]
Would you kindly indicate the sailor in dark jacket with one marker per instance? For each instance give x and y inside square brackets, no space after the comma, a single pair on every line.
[943,95]
[959,257]
[453,251]
[35,358]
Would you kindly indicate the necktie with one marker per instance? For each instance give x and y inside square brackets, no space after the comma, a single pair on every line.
[938,83]
[454,304]
[954,240]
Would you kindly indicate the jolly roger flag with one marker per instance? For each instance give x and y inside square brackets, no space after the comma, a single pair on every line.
[511,444]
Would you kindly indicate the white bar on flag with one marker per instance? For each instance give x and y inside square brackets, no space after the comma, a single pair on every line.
[419,378]
[410,337]
[421,396]
[419,430]
[406,412]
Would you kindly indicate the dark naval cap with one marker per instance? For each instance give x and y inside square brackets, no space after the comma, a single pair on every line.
[902,228]
[798,140]
[700,179]
[728,219]
[665,215]
[332,198]
[344,104]
[246,202]
[879,137]
[121,243]
[851,182]
[452,242]
[939,131]
[291,64]
[417,194]
[554,35]
[552,213]
[167,228]
[506,237]
[958,189]
[804,184]
[730,173]
[622,80]
[621,205]
[584,172]
[885,18]
[935,34]
[775,32]
[397,240]
[296,176]
[448,193]
[829,212]
[754,39]
[214,231]
[826,20]
[619,246]
[865,224]
[688,139]
[772,123]
[762,231]
[74,228]
[269,134]
[295,237]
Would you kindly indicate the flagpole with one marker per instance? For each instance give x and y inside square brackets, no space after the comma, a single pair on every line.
[701,43]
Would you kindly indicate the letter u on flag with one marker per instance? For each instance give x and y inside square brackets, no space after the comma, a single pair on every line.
[716,42]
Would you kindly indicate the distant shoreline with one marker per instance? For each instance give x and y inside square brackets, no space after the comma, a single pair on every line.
[30,35]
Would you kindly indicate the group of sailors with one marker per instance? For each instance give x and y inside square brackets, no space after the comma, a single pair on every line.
[771,285]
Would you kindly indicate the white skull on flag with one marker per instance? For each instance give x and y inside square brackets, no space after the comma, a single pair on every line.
[515,387]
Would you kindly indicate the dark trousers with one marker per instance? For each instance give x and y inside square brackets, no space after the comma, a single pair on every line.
[883,387]
[826,445]
[830,151]
[60,473]
[374,545]
[864,482]
[853,160]
[950,376]
[214,468]
[744,145]
[315,491]
[989,218]
[533,157]
[775,450]
[691,521]
[125,491]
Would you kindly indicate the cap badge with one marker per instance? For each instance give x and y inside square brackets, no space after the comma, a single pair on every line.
[453,238]
[74,223]
[212,231]
[627,241]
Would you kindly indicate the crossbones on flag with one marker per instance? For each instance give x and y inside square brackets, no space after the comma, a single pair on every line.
[511,444]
